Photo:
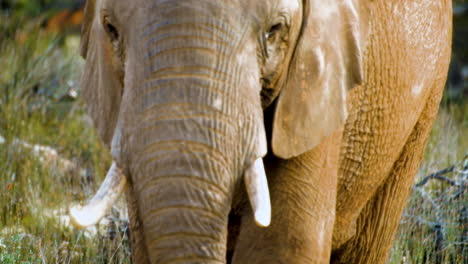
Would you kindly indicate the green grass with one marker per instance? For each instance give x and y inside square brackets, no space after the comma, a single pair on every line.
[434,225]
[40,69]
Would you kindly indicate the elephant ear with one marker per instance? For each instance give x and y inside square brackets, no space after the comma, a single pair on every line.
[89,11]
[101,82]
[326,63]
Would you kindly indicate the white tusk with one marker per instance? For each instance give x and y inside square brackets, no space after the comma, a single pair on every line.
[259,195]
[111,188]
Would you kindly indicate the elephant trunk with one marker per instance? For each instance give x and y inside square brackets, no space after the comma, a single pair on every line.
[184,183]
[184,197]
[183,178]
[192,129]
[189,126]
[193,140]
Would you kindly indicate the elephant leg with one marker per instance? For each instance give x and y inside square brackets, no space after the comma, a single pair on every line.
[139,249]
[303,197]
[379,220]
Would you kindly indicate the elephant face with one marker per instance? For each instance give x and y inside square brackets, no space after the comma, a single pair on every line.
[310,50]
[179,87]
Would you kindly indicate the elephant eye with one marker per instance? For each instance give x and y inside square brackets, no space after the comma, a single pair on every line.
[273,30]
[111,30]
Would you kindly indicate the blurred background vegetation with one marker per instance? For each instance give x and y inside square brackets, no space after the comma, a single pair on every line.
[50,156]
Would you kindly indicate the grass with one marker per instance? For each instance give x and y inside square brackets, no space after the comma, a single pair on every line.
[434,225]
[39,74]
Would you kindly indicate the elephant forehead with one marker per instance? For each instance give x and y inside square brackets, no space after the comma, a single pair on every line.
[291,5]
[323,9]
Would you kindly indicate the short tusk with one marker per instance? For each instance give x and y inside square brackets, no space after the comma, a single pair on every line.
[259,195]
[111,188]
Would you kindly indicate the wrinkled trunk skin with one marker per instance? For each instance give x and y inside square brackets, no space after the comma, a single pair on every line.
[186,146]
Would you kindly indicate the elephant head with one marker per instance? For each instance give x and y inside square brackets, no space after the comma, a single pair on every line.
[178,88]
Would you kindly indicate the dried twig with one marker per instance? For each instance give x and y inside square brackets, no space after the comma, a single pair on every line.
[438,176]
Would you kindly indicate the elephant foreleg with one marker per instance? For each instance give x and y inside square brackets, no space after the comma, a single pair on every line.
[379,220]
[303,196]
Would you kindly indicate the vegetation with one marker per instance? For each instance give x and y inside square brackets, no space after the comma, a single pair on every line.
[50,158]
[434,226]
[38,82]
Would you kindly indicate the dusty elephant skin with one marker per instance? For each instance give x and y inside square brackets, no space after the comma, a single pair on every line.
[337,97]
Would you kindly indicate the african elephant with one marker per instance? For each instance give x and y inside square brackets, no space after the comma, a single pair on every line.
[337,97]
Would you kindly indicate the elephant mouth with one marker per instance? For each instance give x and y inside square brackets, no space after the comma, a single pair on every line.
[114,184]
